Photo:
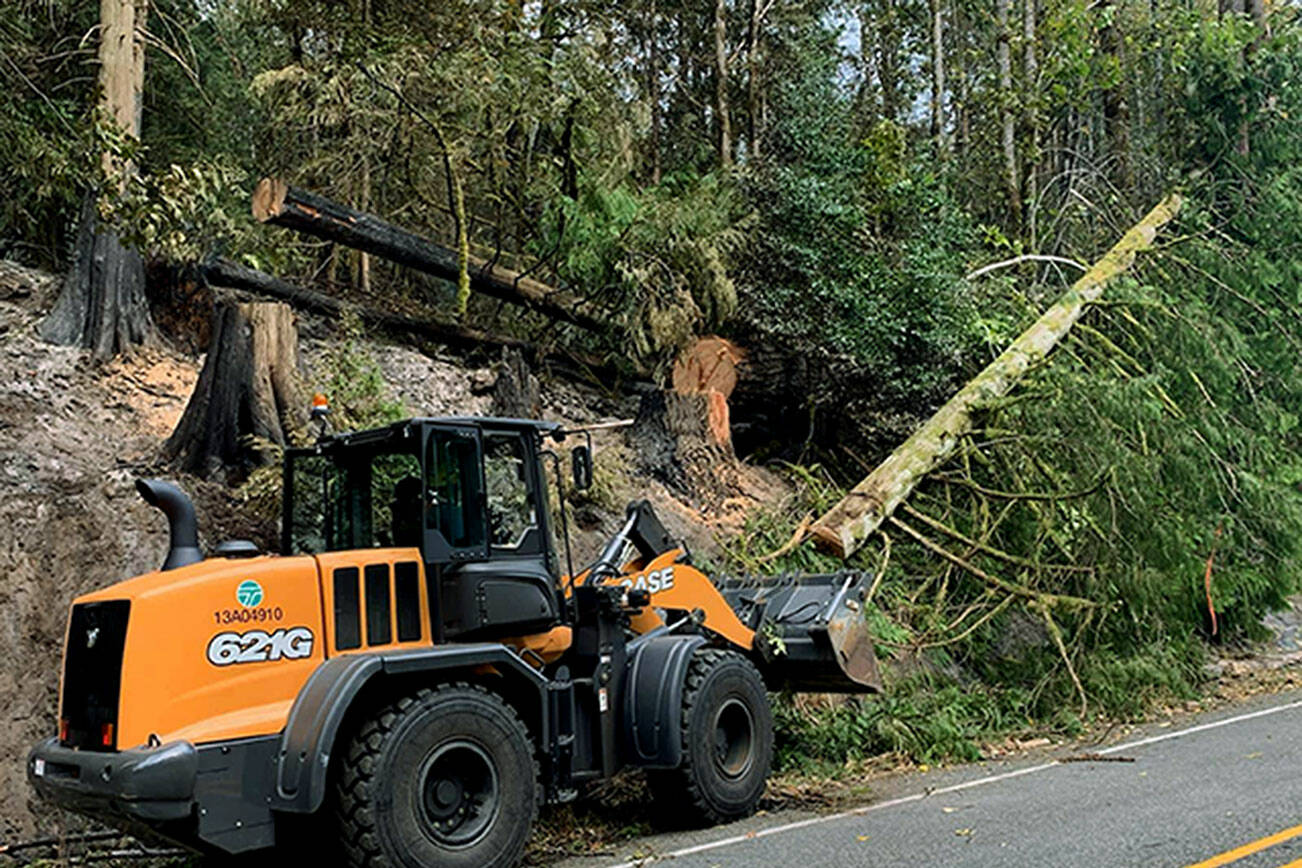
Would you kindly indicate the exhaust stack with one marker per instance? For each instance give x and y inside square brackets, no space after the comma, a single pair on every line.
[183,547]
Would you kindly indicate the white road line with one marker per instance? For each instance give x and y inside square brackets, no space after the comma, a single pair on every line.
[979,782]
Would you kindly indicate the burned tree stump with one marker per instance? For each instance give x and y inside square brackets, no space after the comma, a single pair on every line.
[516,394]
[248,395]
[102,307]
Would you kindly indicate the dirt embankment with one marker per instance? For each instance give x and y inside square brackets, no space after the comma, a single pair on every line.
[75,436]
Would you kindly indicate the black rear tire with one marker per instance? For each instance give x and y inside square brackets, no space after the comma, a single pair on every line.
[444,777]
[727,734]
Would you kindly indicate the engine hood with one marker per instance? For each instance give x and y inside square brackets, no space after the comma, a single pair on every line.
[217,649]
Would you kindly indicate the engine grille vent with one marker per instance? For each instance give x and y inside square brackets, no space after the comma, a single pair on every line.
[92,677]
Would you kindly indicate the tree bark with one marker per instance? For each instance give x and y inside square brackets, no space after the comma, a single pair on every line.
[684,441]
[887,52]
[653,89]
[721,82]
[962,121]
[1006,120]
[102,306]
[754,114]
[847,526]
[938,78]
[1116,112]
[517,393]
[277,203]
[248,392]
[1031,74]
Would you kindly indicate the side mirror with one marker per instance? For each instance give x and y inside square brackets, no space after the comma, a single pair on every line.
[581,460]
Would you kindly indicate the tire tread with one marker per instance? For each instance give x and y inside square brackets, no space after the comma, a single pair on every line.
[678,792]
[354,809]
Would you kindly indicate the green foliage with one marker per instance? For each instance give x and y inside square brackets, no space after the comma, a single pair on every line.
[923,721]
[187,213]
[660,255]
[354,384]
[859,243]
[47,139]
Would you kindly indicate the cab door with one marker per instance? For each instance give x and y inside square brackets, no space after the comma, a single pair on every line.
[454,502]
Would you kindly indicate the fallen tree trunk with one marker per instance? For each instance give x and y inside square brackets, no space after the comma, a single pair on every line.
[277,203]
[223,272]
[847,526]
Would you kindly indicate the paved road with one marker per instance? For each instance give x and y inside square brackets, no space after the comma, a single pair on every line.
[1218,789]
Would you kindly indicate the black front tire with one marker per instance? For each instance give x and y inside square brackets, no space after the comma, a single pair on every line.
[444,777]
[727,734]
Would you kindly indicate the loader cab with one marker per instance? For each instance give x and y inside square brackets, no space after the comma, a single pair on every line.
[469,493]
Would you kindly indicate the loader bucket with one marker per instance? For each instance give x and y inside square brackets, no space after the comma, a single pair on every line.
[810,631]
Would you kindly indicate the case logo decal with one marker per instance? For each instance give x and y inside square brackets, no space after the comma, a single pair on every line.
[653,582]
[249,593]
[258,646]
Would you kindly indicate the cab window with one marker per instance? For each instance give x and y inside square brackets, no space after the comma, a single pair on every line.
[454,503]
[511,510]
[354,499]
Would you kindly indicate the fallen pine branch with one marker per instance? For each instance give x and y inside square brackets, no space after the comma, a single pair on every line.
[989,549]
[1018,260]
[1041,598]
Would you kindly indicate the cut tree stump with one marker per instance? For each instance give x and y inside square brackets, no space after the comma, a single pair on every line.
[517,393]
[684,441]
[683,436]
[248,393]
[102,307]
[709,363]
[847,525]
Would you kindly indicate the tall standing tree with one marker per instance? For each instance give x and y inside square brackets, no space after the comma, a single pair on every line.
[102,306]
[1031,74]
[938,77]
[1116,110]
[653,87]
[754,87]
[1007,123]
[721,82]
[887,59]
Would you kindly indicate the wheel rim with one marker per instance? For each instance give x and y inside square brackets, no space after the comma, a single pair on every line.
[459,793]
[734,739]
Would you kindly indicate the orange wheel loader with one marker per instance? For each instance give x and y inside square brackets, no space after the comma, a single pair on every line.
[417,671]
